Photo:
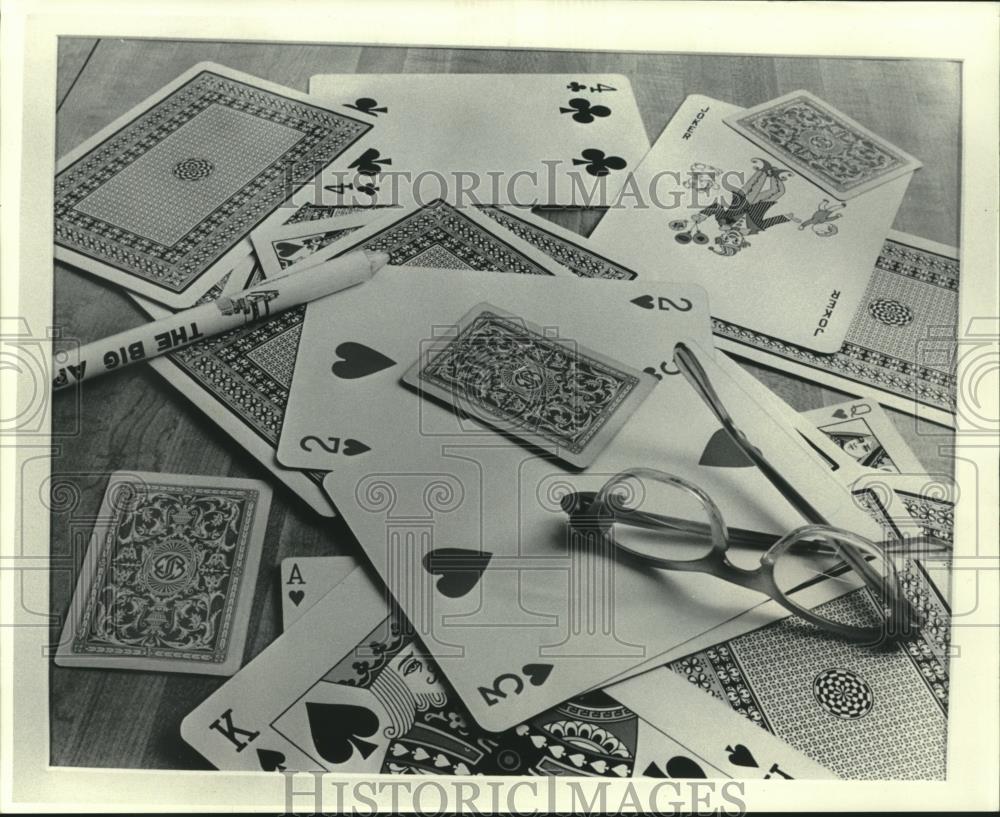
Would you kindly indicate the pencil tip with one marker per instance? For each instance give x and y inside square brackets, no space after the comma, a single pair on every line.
[376,260]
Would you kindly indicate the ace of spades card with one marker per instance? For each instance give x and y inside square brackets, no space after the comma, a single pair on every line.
[778,254]
[546,139]
[457,504]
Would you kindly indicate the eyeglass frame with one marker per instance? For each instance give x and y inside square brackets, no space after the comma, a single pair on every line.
[601,516]
[899,615]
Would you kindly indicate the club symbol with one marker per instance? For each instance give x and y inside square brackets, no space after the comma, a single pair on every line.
[584,112]
[367,105]
[576,87]
[369,163]
[369,188]
[598,164]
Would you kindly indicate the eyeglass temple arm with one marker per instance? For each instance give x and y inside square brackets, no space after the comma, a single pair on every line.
[689,364]
[575,503]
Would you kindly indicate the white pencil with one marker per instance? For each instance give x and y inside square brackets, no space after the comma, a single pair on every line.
[215,317]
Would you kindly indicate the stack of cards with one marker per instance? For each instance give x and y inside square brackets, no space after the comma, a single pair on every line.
[498,363]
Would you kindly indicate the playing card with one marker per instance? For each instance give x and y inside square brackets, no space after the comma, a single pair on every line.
[524,138]
[305,579]
[278,248]
[777,254]
[571,250]
[896,351]
[866,714]
[169,577]
[516,377]
[431,495]
[917,509]
[162,200]
[899,347]
[863,430]
[822,144]
[367,698]
[241,380]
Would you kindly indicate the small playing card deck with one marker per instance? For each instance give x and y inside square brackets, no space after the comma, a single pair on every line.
[169,576]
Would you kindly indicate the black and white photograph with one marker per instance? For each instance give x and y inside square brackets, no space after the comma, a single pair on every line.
[575,410]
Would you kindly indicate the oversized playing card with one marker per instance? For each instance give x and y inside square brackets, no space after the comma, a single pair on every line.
[777,254]
[368,698]
[169,577]
[241,380]
[863,431]
[898,346]
[823,144]
[566,139]
[162,200]
[432,494]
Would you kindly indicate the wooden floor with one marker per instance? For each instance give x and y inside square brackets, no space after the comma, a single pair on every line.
[131,719]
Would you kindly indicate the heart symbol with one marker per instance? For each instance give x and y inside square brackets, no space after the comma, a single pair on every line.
[353,447]
[723,452]
[841,414]
[740,756]
[359,360]
[420,753]
[645,301]
[398,749]
[284,249]
[537,674]
[296,596]
[270,760]
[459,569]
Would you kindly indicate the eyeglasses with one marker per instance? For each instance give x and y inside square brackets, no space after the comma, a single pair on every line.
[625,512]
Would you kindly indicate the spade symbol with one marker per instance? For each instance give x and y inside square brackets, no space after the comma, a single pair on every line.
[584,112]
[537,674]
[459,569]
[271,761]
[645,301]
[358,360]
[369,163]
[598,164]
[296,596]
[841,414]
[740,756]
[367,105]
[338,730]
[678,766]
[723,452]
[681,766]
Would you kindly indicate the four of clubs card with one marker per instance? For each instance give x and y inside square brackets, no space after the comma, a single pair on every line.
[520,139]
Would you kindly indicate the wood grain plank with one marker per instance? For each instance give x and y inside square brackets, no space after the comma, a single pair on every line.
[72,55]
